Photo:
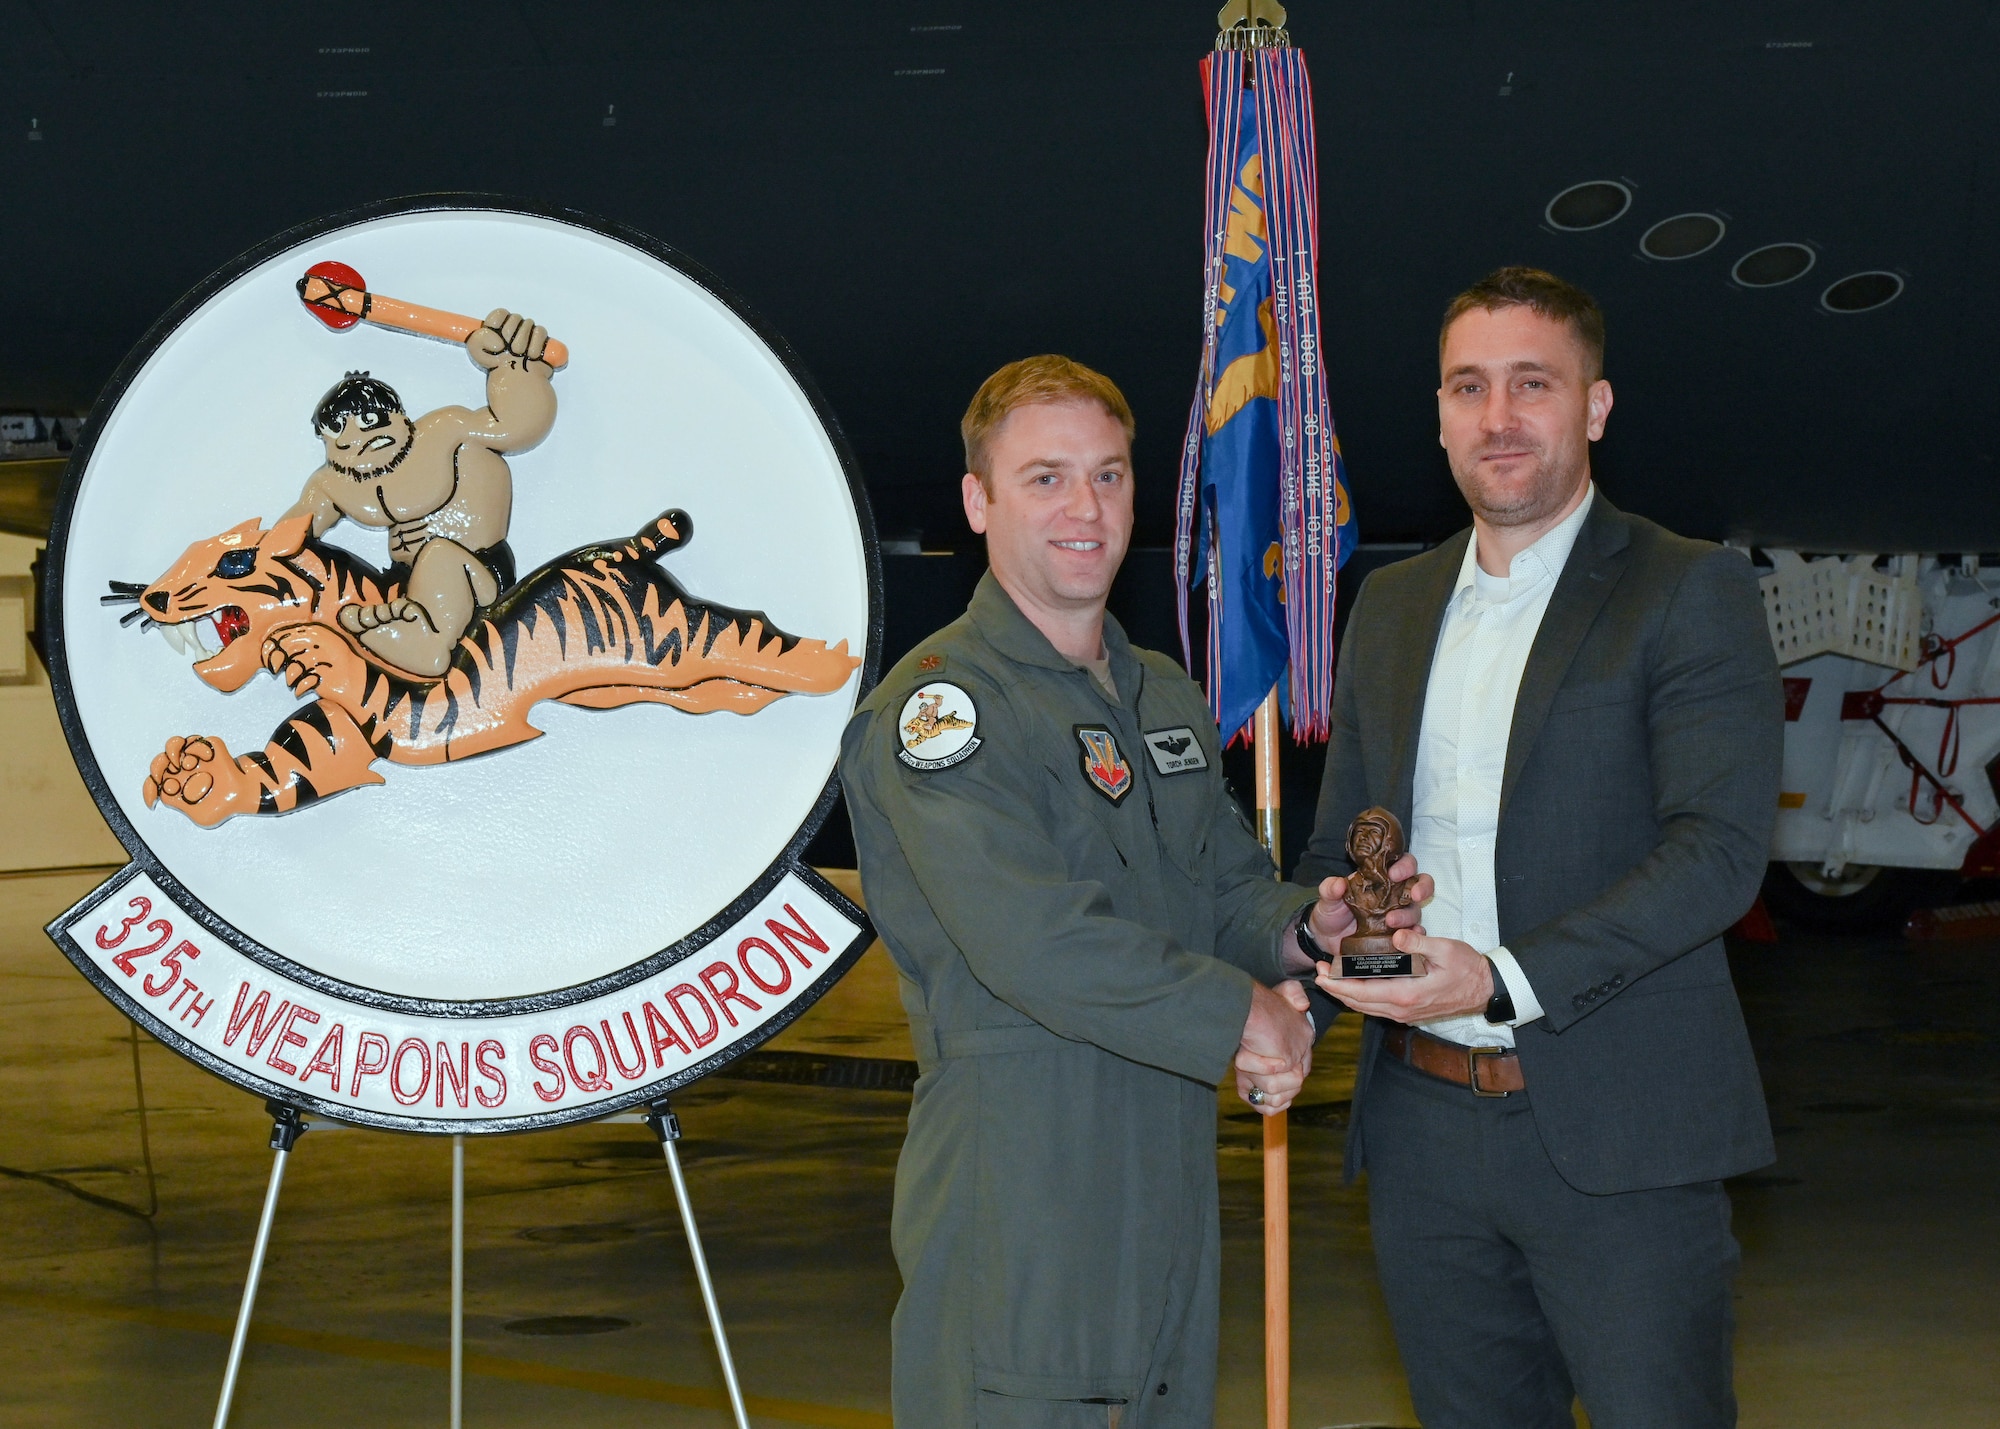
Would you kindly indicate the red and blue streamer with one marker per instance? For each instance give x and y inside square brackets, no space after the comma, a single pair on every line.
[1315,526]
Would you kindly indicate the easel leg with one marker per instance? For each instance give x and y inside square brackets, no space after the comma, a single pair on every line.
[457,1281]
[286,1129]
[667,1127]
[145,1137]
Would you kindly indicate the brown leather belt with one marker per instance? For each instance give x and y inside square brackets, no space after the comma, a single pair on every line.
[1485,1071]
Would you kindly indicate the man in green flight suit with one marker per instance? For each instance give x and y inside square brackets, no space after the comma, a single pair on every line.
[1086,934]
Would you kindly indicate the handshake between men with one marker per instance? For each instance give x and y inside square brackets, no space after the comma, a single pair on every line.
[1275,1056]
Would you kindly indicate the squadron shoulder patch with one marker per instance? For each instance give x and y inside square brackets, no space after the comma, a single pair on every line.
[1106,769]
[1175,751]
[939,727]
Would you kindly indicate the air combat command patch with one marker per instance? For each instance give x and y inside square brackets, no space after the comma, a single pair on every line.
[939,727]
[1106,769]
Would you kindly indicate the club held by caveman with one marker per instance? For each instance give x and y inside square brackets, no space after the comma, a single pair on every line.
[339,297]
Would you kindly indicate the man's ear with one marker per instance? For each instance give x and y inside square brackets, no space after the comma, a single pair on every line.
[1599,401]
[288,537]
[973,491]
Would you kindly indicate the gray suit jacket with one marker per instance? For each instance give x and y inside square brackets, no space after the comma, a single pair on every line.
[1636,811]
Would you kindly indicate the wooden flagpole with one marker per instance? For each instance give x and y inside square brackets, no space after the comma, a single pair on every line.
[1251,25]
[1277,1142]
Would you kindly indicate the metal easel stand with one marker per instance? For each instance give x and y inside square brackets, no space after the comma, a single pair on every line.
[667,1127]
[457,1281]
[287,1126]
[145,1135]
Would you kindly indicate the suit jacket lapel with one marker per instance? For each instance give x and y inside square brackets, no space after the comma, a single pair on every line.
[1588,577]
[1416,644]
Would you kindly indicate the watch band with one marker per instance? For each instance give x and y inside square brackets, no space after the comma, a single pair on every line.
[1500,1008]
[1308,944]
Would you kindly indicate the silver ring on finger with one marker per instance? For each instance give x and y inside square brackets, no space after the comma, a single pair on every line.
[1256,1097]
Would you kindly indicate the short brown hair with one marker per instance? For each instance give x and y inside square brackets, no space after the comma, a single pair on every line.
[1047,378]
[1543,293]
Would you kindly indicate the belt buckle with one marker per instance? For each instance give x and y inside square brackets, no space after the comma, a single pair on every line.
[1472,1056]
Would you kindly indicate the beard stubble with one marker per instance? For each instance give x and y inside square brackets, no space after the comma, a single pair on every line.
[1514,502]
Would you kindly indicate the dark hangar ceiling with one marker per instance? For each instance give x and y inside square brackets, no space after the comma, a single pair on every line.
[916,192]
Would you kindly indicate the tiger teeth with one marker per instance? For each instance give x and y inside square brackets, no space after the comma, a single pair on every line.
[197,639]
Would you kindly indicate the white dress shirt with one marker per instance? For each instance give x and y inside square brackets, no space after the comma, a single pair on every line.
[1490,624]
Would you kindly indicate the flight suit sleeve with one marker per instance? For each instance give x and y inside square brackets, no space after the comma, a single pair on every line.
[1252,908]
[1038,935]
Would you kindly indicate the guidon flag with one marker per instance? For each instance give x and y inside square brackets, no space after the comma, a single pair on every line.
[1262,509]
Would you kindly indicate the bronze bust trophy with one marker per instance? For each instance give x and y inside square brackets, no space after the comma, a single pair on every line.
[1374,842]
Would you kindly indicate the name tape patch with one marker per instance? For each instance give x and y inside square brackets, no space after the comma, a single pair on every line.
[1175,751]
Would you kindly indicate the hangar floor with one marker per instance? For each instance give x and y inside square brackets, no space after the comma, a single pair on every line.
[1871,1248]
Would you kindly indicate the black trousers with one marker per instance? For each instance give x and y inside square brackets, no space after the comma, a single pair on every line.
[1511,1291]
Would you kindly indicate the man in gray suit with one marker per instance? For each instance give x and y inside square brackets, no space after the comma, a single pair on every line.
[1576,714]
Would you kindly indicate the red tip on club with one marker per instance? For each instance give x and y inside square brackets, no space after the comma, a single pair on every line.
[323,297]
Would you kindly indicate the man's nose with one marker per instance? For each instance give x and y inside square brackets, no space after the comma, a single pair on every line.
[1083,503]
[1496,413]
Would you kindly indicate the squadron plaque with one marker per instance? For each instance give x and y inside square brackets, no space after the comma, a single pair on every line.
[466,703]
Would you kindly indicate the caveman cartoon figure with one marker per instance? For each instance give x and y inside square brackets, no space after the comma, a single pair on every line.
[441,486]
[928,723]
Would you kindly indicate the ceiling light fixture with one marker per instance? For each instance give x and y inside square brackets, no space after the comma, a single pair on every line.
[1862,292]
[1773,264]
[1685,235]
[1582,207]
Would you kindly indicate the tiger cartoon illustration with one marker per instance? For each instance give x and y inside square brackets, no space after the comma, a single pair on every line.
[928,723]
[600,627]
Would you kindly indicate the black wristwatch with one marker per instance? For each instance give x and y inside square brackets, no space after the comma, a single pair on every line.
[1500,1008]
[1308,944]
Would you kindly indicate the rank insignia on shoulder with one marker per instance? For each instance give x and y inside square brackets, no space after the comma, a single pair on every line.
[938,727]
[1175,751]
[931,664]
[1106,769]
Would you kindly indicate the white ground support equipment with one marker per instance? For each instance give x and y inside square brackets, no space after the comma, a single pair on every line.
[1892,729]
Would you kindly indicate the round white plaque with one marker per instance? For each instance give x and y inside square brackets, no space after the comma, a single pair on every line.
[558,875]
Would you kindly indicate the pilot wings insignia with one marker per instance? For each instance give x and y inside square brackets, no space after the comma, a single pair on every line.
[1175,751]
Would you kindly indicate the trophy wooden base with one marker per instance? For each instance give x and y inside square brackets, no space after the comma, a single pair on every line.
[1376,956]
